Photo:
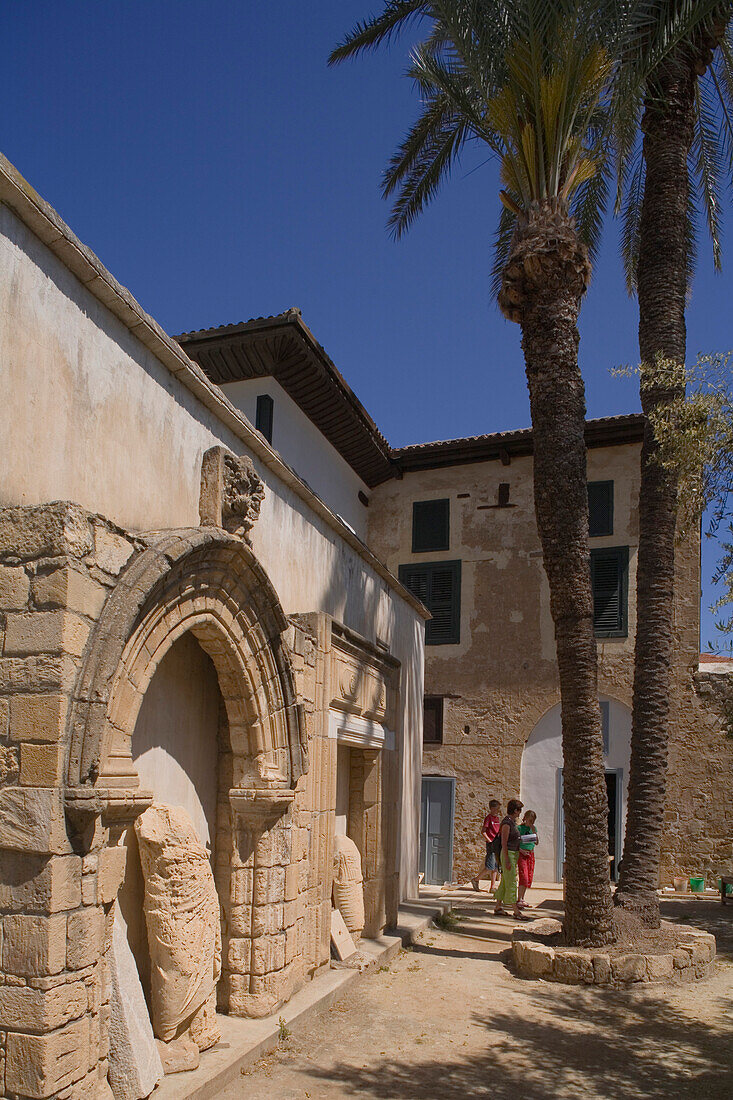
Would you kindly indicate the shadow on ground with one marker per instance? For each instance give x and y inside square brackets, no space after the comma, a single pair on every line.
[585,1044]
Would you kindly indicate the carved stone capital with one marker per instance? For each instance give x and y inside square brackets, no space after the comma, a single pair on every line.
[231,492]
[259,807]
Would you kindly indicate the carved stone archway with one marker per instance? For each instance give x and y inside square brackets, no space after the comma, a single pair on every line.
[210,583]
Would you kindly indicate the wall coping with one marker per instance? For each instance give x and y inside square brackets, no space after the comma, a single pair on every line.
[40,217]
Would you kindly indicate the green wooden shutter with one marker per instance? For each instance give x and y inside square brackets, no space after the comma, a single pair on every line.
[438,586]
[609,569]
[600,508]
[430,525]
[264,415]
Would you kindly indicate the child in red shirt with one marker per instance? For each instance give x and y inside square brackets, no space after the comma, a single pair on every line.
[489,830]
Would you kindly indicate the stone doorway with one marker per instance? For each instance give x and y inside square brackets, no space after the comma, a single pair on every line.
[175,750]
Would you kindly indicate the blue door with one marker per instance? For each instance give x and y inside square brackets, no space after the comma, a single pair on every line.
[436,830]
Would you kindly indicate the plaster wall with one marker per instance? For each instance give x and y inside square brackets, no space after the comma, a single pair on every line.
[539,790]
[304,448]
[501,678]
[174,746]
[94,417]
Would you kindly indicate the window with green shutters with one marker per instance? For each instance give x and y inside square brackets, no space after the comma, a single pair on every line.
[600,508]
[438,586]
[264,415]
[430,526]
[609,572]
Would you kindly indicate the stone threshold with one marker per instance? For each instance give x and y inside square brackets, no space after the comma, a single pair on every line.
[245,1041]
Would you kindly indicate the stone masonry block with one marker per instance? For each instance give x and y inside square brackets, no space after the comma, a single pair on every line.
[34,945]
[37,717]
[46,530]
[32,820]
[45,632]
[70,589]
[628,968]
[111,872]
[659,968]
[14,586]
[34,882]
[38,1066]
[41,765]
[86,934]
[111,551]
[23,1008]
[39,672]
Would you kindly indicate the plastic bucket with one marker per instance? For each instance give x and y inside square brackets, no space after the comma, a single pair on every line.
[681,885]
[697,885]
[728,889]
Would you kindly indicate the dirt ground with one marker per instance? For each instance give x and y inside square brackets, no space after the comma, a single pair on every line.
[447,1020]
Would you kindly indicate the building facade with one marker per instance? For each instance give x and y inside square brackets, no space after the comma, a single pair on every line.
[215,575]
[459,529]
[184,622]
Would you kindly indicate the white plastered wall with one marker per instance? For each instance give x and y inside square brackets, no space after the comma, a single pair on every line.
[304,448]
[89,414]
[541,763]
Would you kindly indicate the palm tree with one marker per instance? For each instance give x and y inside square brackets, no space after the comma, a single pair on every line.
[528,79]
[684,139]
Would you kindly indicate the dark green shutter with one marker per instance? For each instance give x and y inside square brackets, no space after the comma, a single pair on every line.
[264,415]
[430,525]
[600,508]
[609,570]
[438,586]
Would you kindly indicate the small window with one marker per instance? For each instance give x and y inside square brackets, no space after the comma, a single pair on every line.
[430,525]
[606,726]
[433,720]
[600,508]
[609,572]
[438,586]
[263,416]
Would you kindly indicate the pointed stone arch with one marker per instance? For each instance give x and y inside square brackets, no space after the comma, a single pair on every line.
[208,582]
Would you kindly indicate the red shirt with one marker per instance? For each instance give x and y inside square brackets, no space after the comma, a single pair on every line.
[491,826]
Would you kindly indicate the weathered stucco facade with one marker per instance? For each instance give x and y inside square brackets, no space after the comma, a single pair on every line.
[183,622]
[498,684]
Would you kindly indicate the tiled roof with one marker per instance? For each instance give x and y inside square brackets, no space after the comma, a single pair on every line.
[282,346]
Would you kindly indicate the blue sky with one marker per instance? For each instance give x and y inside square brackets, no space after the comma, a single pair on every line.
[221,171]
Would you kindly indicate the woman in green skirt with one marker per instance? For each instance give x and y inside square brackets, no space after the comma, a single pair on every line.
[506,892]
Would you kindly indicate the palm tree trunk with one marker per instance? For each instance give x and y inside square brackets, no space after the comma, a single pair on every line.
[662,286]
[546,277]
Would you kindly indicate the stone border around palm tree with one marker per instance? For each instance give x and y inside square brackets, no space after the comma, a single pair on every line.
[535,955]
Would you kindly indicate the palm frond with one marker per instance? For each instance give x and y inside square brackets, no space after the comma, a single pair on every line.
[502,247]
[377,31]
[706,161]
[631,204]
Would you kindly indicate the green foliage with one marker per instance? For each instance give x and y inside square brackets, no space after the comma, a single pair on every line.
[693,427]
[283,1031]
[554,89]
[445,921]
[526,79]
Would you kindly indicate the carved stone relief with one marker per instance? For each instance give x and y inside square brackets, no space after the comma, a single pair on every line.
[231,492]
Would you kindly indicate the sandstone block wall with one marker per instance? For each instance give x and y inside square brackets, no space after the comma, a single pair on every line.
[500,679]
[63,854]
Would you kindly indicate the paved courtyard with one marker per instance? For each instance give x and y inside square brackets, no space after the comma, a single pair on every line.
[446,1019]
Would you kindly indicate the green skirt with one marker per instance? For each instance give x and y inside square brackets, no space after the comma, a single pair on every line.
[506,891]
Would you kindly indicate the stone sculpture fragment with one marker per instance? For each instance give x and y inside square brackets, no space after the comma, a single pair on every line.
[181,909]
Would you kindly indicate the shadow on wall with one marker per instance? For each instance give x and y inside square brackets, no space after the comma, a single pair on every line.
[576,1043]
[354,598]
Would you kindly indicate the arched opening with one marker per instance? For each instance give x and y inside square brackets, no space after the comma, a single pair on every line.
[186,694]
[541,784]
[175,751]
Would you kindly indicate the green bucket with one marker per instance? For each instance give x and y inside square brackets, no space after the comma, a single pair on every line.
[728,888]
[697,885]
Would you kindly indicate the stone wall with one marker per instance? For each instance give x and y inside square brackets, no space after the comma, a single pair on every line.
[698,833]
[88,612]
[501,678]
